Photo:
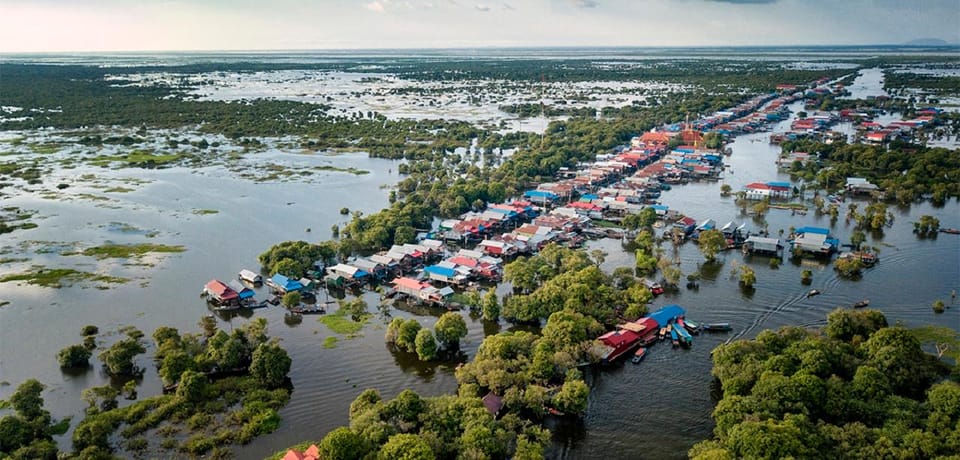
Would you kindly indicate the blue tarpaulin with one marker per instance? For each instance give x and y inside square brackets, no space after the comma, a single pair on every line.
[441,271]
[540,195]
[667,314]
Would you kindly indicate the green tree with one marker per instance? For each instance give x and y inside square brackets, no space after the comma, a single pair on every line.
[270,365]
[425,345]
[848,267]
[27,401]
[208,324]
[291,299]
[407,335]
[572,397]
[74,356]
[192,387]
[857,238]
[939,306]
[747,276]
[404,234]
[341,444]
[711,242]
[118,359]
[450,328]
[393,330]
[406,447]
[491,306]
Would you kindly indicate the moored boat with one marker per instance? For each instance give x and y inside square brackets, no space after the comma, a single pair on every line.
[691,326]
[654,287]
[952,231]
[717,327]
[862,303]
[674,337]
[684,336]
[639,355]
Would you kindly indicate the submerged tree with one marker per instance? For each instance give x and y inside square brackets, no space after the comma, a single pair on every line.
[711,242]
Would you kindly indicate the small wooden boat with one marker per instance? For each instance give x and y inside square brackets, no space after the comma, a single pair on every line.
[685,338]
[254,304]
[663,333]
[674,337]
[274,300]
[691,326]
[717,327]
[648,340]
[952,231]
[654,287]
[638,355]
[813,292]
[862,303]
[308,310]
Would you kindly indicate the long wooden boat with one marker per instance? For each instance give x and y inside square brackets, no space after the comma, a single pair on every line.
[717,327]
[685,338]
[952,231]
[691,326]
[308,310]
[674,337]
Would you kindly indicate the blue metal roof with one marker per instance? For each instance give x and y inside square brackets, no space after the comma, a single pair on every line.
[589,196]
[667,314]
[442,271]
[539,194]
[660,207]
[286,283]
[779,184]
[814,230]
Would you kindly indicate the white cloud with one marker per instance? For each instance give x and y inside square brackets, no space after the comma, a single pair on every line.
[482,7]
[374,6]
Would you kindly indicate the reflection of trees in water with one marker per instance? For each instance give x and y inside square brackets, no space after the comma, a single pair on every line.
[408,362]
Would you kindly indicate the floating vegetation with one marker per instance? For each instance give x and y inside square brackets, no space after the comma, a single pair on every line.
[124,251]
[13,260]
[13,218]
[60,277]
[139,158]
[351,170]
[330,342]
[204,212]
[342,323]
[44,149]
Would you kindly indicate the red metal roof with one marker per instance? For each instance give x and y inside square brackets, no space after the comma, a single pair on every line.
[221,290]
[461,260]
[758,186]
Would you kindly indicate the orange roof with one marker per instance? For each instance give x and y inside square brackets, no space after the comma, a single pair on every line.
[312,453]
[655,137]
[409,283]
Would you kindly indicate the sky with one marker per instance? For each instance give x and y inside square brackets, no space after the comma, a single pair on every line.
[196,25]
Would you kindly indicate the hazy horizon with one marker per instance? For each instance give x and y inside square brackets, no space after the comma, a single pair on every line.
[98,26]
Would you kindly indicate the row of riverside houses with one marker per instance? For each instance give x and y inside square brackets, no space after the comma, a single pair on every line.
[553,212]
